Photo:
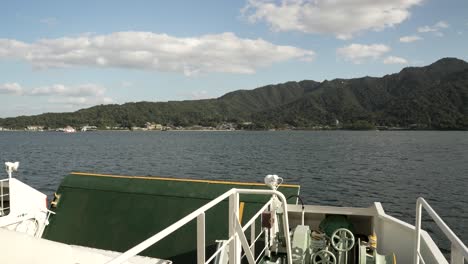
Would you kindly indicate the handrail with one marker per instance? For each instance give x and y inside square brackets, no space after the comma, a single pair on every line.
[2,195]
[167,231]
[459,252]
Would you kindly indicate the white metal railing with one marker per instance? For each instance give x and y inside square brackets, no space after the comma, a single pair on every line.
[459,252]
[236,241]
[3,195]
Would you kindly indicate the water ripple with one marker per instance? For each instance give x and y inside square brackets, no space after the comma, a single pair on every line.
[333,167]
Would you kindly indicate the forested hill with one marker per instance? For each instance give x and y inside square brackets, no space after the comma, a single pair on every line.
[431,97]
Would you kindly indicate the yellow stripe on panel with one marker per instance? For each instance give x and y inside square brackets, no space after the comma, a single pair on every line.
[179,179]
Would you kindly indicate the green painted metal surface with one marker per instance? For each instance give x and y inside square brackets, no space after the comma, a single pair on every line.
[116,213]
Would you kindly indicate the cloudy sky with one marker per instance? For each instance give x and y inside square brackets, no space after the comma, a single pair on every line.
[60,56]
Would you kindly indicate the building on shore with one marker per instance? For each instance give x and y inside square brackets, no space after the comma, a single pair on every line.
[34,128]
[88,128]
[153,126]
[67,129]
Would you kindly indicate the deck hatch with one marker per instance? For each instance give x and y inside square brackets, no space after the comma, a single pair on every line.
[116,212]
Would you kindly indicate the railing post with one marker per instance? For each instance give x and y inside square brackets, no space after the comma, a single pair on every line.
[1,198]
[455,255]
[201,238]
[252,238]
[244,243]
[234,246]
[417,238]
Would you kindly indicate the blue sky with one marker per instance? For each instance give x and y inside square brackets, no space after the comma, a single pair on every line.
[60,56]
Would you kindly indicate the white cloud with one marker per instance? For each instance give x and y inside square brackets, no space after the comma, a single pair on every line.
[81,101]
[126,84]
[358,53]
[395,60]
[149,51]
[11,88]
[74,95]
[62,90]
[19,109]
[426,29]
[437,27]
[49,21]
[408,39]
[342,18]
[441,24]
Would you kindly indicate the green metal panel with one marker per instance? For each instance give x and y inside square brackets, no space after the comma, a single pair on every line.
[118,212]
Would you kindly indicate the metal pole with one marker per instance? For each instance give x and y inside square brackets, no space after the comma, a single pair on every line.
[201,239]
[252,238]
[285,215]
[1,198]
[417,238]
[234,246]
[455,255]
[244,243]
[459,250]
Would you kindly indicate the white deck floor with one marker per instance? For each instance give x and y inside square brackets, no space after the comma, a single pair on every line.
[18,248]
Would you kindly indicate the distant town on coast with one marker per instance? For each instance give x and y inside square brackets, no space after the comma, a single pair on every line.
[149,126]
[433,97]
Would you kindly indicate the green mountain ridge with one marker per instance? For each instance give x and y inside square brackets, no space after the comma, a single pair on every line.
[430,97]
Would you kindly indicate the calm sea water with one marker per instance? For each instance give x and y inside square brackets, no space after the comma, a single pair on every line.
[341,168]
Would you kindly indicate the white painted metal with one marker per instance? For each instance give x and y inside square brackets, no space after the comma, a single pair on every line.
[234,246]
[394,236]
[422,259]
[459,250]
[266,232]
[302,217]
[221,255]
[243,241]
[455,255]
[252,238]
[321,209]
[201,238]
[219,251]
[285,215]
[274,207]
[3,185]
[10,167]
[17,248]
[234,238]
[273,181]
[417,240]
[28,211]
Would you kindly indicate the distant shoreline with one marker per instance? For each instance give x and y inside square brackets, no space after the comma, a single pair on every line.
[239,130]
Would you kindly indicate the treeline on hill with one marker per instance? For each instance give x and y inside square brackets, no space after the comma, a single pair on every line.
[431,97]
